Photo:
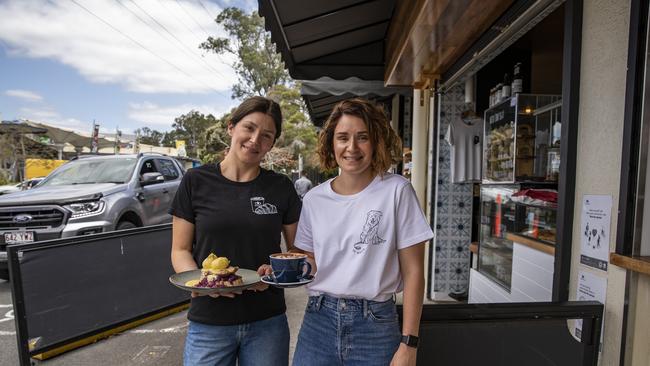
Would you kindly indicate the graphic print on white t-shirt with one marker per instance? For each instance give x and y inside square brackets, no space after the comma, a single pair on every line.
[261,208]
[370,233]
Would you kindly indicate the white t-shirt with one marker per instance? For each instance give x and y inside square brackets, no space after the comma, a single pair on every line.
[355,238]
[465,141]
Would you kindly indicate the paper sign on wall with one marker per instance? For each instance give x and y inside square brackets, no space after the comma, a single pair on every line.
[590,288]
[595,231]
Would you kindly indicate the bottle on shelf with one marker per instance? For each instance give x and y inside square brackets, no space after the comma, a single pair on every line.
[505,88]
[499,96]
[517,85]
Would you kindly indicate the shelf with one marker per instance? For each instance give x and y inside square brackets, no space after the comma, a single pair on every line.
[542,246]
[535,206]
[633,263]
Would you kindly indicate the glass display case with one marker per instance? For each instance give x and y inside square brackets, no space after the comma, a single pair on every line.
[522,137]
[525,210]
[536,222]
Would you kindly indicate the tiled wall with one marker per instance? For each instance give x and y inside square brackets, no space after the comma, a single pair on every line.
[453,209]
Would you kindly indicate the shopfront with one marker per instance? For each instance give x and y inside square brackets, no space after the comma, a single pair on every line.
[518,105]
[554,93]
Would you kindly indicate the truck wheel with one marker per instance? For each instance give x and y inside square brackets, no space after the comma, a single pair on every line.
[123,225]
[4,274]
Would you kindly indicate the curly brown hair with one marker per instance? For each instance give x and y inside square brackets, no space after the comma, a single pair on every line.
[387,146]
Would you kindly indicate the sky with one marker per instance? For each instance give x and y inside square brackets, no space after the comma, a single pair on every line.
[125,64]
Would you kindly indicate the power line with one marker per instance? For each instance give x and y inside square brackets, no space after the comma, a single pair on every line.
[192,31]
[197,23]
[143,47]
[191,17]
[206,10]
[191,54]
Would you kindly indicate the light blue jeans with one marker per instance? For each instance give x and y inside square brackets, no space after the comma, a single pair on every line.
[347,332]
[264,342]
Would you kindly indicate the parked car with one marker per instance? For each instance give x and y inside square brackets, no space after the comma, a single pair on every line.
[24,185]
[10,188]
[90,195]
[30,183]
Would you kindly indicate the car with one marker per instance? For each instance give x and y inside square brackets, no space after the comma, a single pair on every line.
[10,188]
[90,195]
[22,186]
[30,183]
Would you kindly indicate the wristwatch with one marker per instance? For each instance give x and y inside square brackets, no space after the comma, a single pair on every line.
[410,340]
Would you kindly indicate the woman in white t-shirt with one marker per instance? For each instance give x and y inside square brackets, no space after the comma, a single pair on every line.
[365,231]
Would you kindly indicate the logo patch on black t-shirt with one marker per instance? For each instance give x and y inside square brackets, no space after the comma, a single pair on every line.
[261,208]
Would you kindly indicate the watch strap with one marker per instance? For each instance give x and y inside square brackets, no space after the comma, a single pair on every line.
[410,340]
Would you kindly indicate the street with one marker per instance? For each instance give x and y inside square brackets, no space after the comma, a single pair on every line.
[159,342]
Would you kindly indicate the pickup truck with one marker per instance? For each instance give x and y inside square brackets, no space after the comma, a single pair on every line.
[90,195]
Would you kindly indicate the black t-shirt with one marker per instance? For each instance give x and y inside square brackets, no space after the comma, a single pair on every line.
[241,221]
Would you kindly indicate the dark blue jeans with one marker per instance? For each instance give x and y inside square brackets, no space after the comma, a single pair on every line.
[265,342]
[347,332]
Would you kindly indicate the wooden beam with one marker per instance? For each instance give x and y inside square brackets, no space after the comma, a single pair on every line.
[633,263]
[431,34]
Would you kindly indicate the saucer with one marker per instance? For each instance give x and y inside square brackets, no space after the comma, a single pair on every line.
[269,281]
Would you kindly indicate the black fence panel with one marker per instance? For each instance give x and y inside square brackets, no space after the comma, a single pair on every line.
[68,289]
[531,334]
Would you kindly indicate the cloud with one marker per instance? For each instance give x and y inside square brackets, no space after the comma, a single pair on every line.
[120,42]
[24,94]
[161,117]
[50,116]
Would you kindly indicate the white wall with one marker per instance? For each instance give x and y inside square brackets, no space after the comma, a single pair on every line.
[605,33]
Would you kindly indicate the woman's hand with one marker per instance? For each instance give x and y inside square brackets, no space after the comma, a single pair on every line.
[264,270]
[405,356]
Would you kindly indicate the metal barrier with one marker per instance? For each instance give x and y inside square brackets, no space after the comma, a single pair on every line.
[67,290]
[531,334]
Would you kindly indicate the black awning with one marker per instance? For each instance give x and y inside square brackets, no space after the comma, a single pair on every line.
[323,94]
[336,38]
[320,106]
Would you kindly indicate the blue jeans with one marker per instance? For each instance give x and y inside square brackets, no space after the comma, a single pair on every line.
[347,332]
[264,342]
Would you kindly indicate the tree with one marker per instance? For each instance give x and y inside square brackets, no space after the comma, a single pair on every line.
[259,68]
[149,136]
[261,72]
[192,127]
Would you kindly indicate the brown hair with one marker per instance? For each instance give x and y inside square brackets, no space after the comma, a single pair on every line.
[387,146]
[262,105]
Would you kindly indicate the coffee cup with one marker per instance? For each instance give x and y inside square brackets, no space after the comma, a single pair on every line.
[289,267]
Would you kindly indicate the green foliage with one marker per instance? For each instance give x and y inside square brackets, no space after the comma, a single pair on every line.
[216,142]
[260,72]
[192,127]
[150,137]
[4,180]
[298,133]
[259,68]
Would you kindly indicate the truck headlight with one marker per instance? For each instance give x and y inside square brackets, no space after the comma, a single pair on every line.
[84,209]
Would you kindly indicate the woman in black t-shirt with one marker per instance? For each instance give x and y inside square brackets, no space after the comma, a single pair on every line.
[217,210]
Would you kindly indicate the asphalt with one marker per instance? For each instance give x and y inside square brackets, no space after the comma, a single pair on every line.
[156,343]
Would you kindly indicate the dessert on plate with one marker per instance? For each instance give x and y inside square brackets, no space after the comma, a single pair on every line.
[216,272]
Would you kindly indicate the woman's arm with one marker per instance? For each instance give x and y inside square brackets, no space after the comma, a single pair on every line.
[411,261]
[289,232]
[182,238]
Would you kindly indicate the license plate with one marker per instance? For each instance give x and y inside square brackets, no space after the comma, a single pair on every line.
[19,237]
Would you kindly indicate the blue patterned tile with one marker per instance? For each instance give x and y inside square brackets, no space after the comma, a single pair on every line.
[453,214]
